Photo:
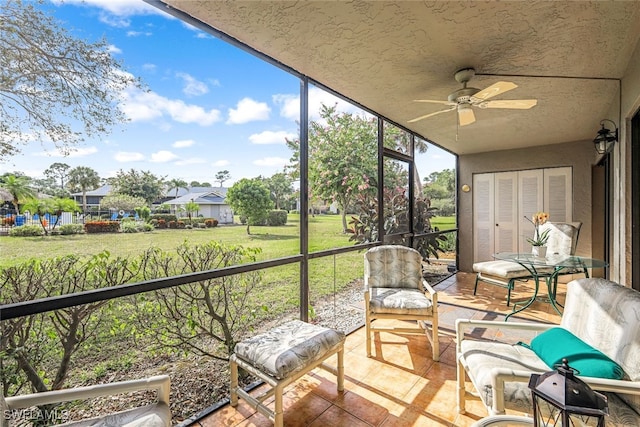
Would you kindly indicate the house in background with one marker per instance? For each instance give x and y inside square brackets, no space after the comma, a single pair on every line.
[94,197]
[210,199]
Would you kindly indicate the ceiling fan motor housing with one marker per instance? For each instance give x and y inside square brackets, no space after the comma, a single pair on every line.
[463,95]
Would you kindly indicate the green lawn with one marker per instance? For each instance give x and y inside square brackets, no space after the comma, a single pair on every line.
[443,222]
[275,242]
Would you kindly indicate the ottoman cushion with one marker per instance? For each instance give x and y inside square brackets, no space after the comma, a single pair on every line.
[288,348]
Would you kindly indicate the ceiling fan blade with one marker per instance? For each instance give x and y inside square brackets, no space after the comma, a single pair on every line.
[431,114]
[465,115]
[433,101]
[493,90]
[516,104]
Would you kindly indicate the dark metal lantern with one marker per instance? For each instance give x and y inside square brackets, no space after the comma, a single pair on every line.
[562,399]
[605,139]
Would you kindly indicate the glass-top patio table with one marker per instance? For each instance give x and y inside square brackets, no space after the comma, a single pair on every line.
[547,268]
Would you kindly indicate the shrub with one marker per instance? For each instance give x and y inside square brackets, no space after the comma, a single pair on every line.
[146,227]
[26,230]
[210,222]
[67,229]
[161,223]
[173,224]
[129,227]
[180,224]
[277,218]
[102,227]
[165,217]
[201,225]
[8,220]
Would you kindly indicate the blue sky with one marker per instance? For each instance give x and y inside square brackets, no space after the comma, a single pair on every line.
[209,106]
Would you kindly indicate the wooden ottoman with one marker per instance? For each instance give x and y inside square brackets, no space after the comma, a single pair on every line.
[281,356]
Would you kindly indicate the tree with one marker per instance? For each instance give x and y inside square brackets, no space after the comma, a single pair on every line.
[58,171]
[83,178]
[19,188]
[54,207]
[49,186]
[280,187]
[195,184]
[342,157]
[54,86]
[191,208]
[223,176]
[250,198]
[116,201]
[138,184]
[177,184]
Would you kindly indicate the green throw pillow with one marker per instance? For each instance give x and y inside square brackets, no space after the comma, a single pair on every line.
[556,344]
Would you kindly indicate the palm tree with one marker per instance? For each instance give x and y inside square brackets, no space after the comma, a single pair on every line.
[83,178]
[18,187]
[177,183]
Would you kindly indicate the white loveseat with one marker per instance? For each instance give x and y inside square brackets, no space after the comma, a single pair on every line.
[601,313]
[156,414]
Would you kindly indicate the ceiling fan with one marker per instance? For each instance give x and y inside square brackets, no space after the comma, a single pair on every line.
[463,99]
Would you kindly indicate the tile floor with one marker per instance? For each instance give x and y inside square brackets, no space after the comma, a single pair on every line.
[400,385]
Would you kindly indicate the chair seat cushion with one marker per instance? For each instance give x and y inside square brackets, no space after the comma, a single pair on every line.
[399,301]
[155,415]
[558,343]
[482,356]
[286,349]
[507,269]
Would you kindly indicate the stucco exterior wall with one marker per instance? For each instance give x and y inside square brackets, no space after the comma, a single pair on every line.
[630,103]
[579,155]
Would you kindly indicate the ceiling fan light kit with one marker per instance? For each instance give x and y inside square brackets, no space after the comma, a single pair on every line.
[465,98]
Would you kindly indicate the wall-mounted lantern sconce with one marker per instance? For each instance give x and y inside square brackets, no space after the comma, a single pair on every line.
[466,188]
[606,138]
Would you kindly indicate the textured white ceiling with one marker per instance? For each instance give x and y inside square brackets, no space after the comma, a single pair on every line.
[385,54]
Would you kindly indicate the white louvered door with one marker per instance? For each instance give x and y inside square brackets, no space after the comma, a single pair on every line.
[483,213]
[506,212]
[502,200]
[558,195]
[530,201]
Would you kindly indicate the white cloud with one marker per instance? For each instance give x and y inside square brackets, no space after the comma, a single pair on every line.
[290,104]
[143,106]
[248,110]
[149,67]
[138,33]
[113,49]
[192,86]
[270,137]
[221,163]
[271,161]
[183,143]
[119,7]
[191,161]
[163,156]
[73,152]
[127,156]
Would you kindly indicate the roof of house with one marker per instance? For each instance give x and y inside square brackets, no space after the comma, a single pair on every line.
[211,197]
[100,191]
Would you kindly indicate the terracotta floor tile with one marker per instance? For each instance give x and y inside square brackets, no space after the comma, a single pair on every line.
[338,417]
[400,385]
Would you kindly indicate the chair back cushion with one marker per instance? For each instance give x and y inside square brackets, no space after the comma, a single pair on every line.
[393,266]
[563,237]
[605,315]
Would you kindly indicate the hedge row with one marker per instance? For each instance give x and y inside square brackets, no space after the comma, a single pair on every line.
[102,227]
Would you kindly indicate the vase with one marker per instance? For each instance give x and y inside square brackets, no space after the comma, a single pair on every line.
[539,251]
